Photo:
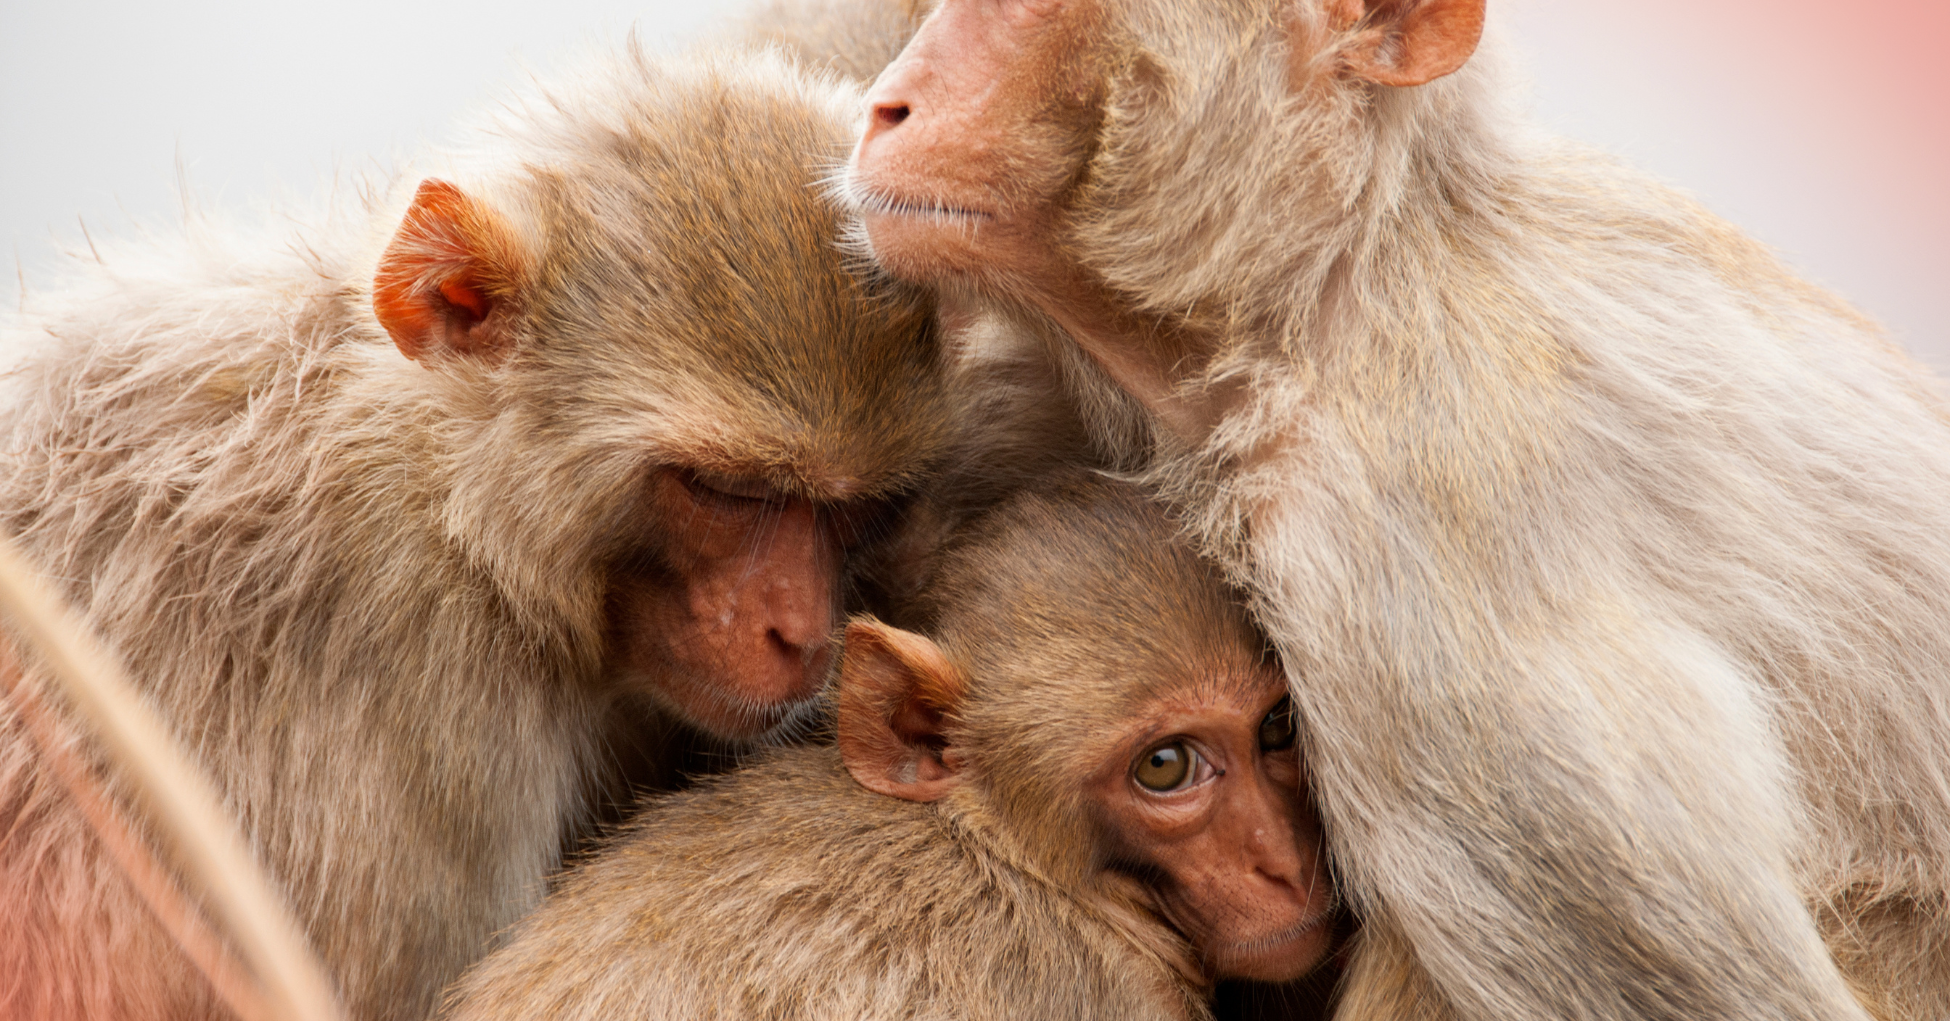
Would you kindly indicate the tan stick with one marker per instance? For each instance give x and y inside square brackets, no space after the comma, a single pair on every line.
[132,854]
[177,796]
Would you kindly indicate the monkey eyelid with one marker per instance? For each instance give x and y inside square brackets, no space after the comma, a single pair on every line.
[730,487]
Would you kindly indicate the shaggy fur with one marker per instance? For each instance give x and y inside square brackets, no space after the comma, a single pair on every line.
[370,593]
[788,891]
[1610,560]
[855,38]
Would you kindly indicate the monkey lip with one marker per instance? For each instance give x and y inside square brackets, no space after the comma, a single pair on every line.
[1275,946]
[868,202]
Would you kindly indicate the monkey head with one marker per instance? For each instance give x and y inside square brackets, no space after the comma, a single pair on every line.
[1095,704]
[1111,160]
[673,409]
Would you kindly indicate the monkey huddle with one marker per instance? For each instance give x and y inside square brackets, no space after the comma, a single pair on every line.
[414,536]
[1607,561]
[1091,739]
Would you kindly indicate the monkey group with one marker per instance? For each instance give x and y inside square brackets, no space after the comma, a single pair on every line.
[1519,590]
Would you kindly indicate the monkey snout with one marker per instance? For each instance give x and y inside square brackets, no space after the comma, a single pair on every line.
[887,116]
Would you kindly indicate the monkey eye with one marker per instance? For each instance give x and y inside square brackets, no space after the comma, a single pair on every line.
[1167,767]
[1276,730]
[730,487]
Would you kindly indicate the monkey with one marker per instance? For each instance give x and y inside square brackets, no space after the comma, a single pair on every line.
[408,525]
[1087,743]
[1609,560]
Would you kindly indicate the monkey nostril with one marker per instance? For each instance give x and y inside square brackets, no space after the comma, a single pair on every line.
[890,114]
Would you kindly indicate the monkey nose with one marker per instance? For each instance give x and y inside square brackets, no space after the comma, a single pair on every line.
[793,669]
[884,117]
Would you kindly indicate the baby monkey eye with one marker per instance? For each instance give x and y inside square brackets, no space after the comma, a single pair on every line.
[1166,767]
[1276,730]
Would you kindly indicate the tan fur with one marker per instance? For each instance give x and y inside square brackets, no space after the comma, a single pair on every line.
[855,38]
[788,891]
[370,592]
[1610,560]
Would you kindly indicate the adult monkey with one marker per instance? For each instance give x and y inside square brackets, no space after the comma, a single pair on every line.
[406,530]
[1634,549]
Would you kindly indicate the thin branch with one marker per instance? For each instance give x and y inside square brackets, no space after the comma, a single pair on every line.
[180,800]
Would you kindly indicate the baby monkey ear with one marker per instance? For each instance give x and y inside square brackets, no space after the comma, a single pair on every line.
[1405,42]
[896,691]
[451,279]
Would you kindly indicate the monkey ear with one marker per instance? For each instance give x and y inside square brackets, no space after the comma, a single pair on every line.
[1405,42]
[896,690]
[451,279]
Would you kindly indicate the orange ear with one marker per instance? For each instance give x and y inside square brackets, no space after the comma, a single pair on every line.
[1407,42]
[451,279]
[896,690]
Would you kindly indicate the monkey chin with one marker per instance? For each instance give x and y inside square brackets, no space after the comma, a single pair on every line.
[924,244]
[1282,956]
[703,701]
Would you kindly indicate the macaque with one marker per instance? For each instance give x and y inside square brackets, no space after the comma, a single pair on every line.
[1079,796]
[412,529]
[1609,561]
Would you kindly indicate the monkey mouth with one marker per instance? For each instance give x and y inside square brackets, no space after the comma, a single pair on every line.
[865,201]
[1276,942]
[1298,930]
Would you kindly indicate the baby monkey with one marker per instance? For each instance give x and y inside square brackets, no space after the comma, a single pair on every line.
[1080,796]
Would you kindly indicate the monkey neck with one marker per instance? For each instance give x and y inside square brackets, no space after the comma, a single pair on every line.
[1157,359]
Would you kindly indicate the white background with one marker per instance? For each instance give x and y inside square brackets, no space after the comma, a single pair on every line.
[1825,139]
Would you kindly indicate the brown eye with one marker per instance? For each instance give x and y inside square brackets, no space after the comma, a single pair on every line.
[1276,730]
[1165,768]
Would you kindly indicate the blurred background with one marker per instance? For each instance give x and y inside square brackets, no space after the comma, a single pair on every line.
[1821,128]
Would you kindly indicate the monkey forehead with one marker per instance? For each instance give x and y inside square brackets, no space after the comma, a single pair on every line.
[692,279]
[1085,600]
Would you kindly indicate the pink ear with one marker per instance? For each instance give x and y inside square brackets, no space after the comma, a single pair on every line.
[1406,42]
[451,278]
[896,690]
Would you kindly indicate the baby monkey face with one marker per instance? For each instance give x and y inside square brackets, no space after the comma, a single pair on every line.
[1204,801]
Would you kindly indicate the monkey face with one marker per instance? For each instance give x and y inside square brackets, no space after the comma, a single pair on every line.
[683,399]
[975,134]
[1204,801]
[726,623]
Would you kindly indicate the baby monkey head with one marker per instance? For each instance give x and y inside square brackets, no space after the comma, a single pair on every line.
[1095,705]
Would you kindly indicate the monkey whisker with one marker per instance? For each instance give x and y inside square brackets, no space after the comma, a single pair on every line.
[861,200]
[1298,930]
